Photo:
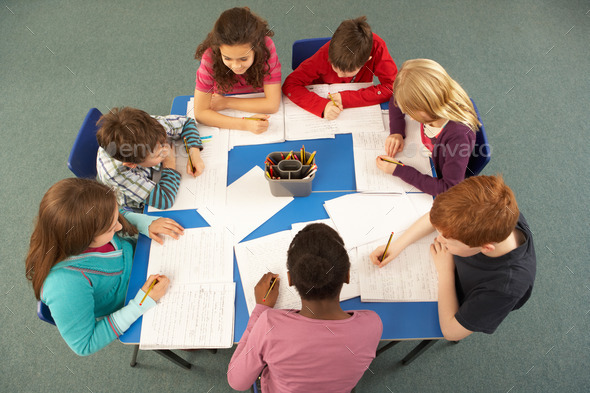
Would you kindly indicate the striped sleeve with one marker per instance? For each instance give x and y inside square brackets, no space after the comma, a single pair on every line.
[191,133]
[164,193]
[274,65]
[204,81]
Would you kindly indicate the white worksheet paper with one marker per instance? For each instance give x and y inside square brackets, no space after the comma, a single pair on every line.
[275,132]
[208,189]
[301,124]
[200,255]
[249,204]
[368,146]
[269,254]
[197,315]
[362,218]
[411,277]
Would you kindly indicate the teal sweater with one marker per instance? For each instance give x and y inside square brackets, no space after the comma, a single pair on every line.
[86,293]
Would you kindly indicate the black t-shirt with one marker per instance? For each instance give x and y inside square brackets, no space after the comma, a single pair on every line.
[489,288]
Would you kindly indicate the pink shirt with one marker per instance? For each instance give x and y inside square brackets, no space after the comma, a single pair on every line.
[299,354]
[206,83]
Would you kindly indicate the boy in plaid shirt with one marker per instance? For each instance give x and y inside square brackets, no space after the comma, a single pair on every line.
[136,157]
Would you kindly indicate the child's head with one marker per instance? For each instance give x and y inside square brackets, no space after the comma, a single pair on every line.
[350,46]
[238,44]
[132,136]
[424,91]
[74,214]
[318,263]
[479,211]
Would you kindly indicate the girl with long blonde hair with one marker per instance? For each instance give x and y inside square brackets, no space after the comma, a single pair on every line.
[424,91]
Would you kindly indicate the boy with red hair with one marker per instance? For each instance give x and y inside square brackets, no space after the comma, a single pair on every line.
[484,255]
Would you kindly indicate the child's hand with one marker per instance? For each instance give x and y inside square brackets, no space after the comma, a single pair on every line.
[257,126]
[393,144]
[159,289]
[338,99]
[261,289]
[385,166]
[443,259]
[331,111]
[218,102]
[392,253]
[195,155]
[170,156]
[164,226]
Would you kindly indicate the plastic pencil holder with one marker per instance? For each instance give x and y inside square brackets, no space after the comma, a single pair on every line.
[290,177]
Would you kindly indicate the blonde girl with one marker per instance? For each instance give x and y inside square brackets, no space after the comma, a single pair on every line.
[79,264]
[238,56]
[424,91]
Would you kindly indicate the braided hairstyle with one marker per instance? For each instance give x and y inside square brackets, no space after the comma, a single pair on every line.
[318,262]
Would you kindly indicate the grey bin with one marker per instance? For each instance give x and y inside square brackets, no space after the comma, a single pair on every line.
[292,174]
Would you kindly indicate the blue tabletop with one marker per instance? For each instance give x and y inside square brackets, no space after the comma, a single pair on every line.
[334,178]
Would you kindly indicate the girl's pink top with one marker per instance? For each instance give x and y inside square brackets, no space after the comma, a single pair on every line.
[206,83]
[299,354]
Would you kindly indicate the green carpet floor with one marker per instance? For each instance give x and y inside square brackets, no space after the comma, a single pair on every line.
[525,63]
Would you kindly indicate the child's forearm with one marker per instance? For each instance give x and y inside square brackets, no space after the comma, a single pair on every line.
[264,105]
[211,118]
[416,231]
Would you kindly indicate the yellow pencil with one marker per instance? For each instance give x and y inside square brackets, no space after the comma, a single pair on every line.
[272,284]
[148,291]
[386,247]
[310,160]
[189,155]
[253,118]
[333,102]
[391,161]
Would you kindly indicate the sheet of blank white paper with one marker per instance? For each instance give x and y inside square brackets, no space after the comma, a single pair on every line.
[208,189]
[411,277]
[191,316]
[249,204]
[362,218]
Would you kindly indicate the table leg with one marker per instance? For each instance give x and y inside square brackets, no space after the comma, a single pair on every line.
[423,346]
[386,347]
[134,356]
[168,354]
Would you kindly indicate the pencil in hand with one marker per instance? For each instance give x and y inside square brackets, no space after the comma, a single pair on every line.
[189,158]
[386,247]
[392,161]
[148,291]
[272,284]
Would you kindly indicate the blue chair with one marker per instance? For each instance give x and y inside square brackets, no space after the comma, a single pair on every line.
[44,313]
[481,154]
[82,160]
[304,49]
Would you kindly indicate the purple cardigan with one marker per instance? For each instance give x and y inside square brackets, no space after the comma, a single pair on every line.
[451,154]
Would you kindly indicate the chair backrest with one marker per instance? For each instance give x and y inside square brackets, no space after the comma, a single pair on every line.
[82,160]
[44,313]
[481,154]
[304,49]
